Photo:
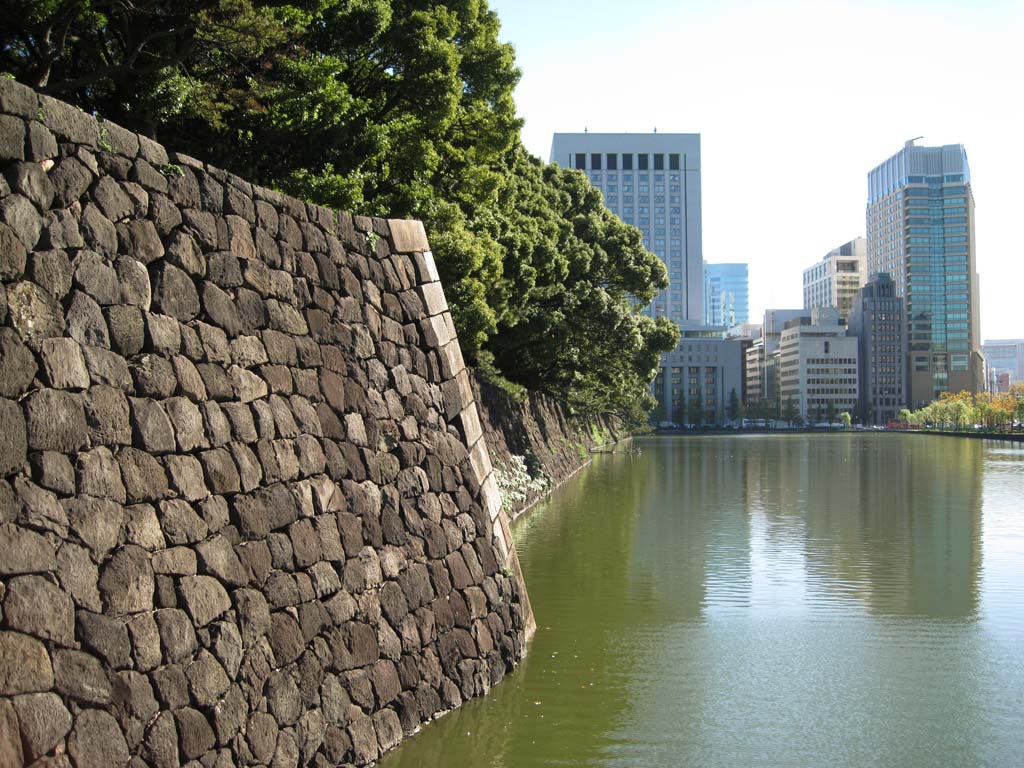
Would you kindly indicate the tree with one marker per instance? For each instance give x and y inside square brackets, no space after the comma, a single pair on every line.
[733,408]
[789,412]
[830,412]
[846,419]
[381,107]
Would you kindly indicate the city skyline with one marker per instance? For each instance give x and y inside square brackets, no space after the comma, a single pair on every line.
[778,116]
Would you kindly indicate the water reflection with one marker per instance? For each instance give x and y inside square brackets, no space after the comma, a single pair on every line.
[778,600]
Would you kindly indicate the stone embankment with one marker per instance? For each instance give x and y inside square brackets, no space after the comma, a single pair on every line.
[535,445]
[247,515]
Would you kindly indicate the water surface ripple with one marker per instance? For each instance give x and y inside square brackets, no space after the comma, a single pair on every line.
[825,600]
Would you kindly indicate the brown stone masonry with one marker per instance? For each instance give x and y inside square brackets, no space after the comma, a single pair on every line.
[247,513]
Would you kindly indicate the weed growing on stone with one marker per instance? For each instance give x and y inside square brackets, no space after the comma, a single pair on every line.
[516,482]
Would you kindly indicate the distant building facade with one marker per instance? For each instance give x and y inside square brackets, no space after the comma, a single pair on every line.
[726,294]
[920,230]
[878,323]
[818,366]
[1005,356]
[762,359]
[835,280]
[652,181]
[696,380]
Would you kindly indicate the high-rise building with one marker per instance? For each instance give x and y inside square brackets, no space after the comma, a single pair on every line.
[920,225]
[726,294]
[835,280]
[878,323]
[818,366]
[1005,356]
[653,182]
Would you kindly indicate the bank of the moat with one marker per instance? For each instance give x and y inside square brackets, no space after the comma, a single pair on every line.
[798,600]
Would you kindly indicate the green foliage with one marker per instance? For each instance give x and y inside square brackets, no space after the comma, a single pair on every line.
[400,108]
[733,408]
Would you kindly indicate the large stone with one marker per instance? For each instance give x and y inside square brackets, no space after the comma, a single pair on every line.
[106,410]
[285,638]
[160,746]
[40,509]
[79,575]
[64,363]
[21,215]
[85,321]
[205,598]
[96,522]
[112,199]
[24,665]
[186,475]
[207,681]
[96,277]
[23,551]
[106,636]
[17,364]
[175,294]
[34,313]
[38,607]
[177,635]
[97,741]
[81,677]
[218,558]
[127,583]
[188,424]
[127,329]
[153,430]
[99,475]
[144,477]
[180,523]
[13,255]
[134,282]
[13,443]
[107,368]
[195,735]
[44,721]
[221,472]
[56,422]
[70,179]
[12,138]
[10,739]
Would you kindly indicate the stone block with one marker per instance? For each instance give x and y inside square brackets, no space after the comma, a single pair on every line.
[56,421]
[175,294]
[408,236]
[35,606]
[96,741]
[127,582]
[85,322]
[17,364]
[33,312]
[44,722]
[13,438]
[204,597]
[64,363]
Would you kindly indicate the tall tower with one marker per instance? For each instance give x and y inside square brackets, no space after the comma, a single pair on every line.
[920,229]
[653,182]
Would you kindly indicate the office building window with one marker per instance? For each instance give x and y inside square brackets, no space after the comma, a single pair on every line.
[673,162]
[659,162]
[627,162]
[642,162]
[612,161]
[595,161]
[581,161]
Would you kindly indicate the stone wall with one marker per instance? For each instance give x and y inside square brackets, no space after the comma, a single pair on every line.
[247,516]
[535,444]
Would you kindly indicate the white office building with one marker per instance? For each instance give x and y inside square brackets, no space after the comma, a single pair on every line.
[835,280]
[818,366]
[651,180]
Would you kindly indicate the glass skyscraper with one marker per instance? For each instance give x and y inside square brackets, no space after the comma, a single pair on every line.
[726,294]
[920,227]
[650,180]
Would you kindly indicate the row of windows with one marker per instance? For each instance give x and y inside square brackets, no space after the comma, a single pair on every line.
[611,161]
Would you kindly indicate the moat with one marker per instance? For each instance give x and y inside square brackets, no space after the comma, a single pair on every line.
[799,600]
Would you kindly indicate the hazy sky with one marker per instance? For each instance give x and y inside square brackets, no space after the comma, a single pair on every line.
[795,103]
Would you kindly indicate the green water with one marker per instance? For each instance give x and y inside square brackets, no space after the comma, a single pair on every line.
[824,600]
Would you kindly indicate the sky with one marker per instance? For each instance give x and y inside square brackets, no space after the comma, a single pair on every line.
[795,102]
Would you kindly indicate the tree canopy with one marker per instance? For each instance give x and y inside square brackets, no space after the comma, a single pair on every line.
[380,107]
